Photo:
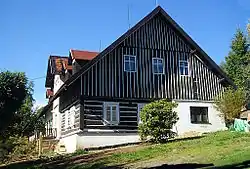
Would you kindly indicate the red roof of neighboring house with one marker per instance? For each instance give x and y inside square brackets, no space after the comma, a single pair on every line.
[83,55]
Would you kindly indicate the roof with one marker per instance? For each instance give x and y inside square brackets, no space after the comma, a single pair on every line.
[83,55]
[183,34]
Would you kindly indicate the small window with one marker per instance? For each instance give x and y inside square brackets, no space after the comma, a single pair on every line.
[129,63]
[199,114]
[111,113]
[158,66]
[139,106]
[183,64]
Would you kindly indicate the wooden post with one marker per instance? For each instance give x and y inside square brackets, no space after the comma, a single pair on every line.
[40,144]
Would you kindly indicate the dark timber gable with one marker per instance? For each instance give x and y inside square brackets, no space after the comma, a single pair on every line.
[106,78]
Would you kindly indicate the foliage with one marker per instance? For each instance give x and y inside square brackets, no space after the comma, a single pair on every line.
[17,148]
[230,103]
[14,88]
[79,152]
[158,119]
[237,63]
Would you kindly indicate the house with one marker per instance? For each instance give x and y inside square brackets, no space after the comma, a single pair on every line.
[95,98]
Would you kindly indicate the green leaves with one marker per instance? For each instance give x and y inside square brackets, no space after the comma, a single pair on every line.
[158,119]
[230,103]
[14,88]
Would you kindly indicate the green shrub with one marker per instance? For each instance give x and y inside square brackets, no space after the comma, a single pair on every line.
[79,152]
[158,119]
[16,149]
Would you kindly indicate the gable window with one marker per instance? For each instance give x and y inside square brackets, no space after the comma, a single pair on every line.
[139,108]
[158,66]
[111,113]
[129,63]
[183,65]
[199,115]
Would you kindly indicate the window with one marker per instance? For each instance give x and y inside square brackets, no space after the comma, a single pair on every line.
[111,113]
[139,106]
[199,114]
[71,117]
[183,64]
[129,63]
[158,67]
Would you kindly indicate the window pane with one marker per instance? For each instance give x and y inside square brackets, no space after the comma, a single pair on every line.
[132,66]
[114,113]
[186,64]
[160,61]
[132,59]
[126,58]
[127,66]
[186,71]
[154,61]
[181,70]
[155,69]
[108,115]
[160,68]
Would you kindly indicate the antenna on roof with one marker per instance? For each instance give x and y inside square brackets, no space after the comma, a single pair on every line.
[128,16]
[156,3]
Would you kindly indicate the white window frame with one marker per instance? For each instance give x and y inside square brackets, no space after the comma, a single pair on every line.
[184,67]
[163,65]
[139,107]
[66,119]
[129,62]
[107,122]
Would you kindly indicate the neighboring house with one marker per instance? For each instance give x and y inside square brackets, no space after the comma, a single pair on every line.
[95,98]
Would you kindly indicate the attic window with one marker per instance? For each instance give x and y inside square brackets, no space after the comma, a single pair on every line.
[129,63]
[183,66]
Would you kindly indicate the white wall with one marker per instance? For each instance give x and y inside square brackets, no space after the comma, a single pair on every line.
[56,117]
[88,140]
[57,83]
[184,124]
[70,143]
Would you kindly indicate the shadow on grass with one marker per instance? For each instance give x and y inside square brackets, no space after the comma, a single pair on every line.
[180,166]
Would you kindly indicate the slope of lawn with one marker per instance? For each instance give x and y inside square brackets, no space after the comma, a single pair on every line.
[220,150]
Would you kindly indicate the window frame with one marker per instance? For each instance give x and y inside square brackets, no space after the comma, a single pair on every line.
[201,114]
[163,65]
[106,122]
[184,61]
[129,63]
[139,107]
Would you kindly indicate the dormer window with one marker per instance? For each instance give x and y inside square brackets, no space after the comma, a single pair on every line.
[129,63]
[183,65]
[158,66]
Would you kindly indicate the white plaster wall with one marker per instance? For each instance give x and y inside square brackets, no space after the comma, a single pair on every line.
[70,143]
[57,83]
[184,124]
[56,117]
[88,140]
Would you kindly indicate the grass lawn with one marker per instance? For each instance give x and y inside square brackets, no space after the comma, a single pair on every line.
[216,150]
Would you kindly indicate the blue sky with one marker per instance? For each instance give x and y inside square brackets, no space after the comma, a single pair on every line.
[31,30]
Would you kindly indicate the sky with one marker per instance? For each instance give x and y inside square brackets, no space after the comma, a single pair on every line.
[31,30]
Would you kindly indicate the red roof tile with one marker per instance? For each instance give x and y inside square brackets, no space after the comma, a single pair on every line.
[83,55]
[49,93]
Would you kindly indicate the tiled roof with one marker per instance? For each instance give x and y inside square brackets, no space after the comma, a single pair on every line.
[83,55]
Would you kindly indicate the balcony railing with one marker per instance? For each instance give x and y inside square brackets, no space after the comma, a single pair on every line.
[50,133]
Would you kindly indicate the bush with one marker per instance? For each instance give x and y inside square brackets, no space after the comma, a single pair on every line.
[16,149]
[230,103]
[158,119]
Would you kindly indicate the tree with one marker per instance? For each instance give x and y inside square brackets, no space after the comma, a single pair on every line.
[230,103]
[14,88]
[237,61]
[158,119]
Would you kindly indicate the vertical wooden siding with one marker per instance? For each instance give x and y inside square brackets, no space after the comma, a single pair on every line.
[107,78]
